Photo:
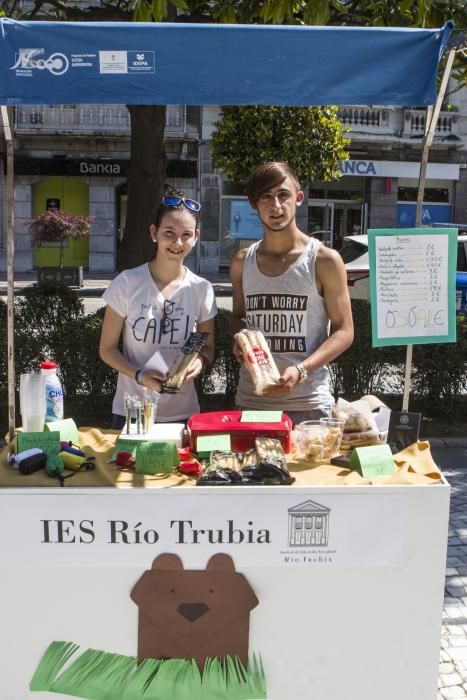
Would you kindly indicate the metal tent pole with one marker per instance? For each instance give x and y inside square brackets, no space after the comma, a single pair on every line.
[10,269]
[431,120]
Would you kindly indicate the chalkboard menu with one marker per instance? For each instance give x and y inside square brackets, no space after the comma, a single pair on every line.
[412,285]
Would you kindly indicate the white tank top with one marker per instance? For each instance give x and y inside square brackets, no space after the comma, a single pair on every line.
[292,315]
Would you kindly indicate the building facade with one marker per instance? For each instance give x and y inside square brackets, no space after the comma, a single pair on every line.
[75,157]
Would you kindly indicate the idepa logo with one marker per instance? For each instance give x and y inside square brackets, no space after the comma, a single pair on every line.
[309,525]
[28,59]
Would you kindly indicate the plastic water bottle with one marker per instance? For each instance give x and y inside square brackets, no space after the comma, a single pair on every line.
[53,392]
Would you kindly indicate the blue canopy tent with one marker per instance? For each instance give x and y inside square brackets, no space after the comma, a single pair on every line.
[135,63]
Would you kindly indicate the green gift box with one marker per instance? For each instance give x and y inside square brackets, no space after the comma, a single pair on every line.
[156,457]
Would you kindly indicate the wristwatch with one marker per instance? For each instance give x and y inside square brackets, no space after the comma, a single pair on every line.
[302,373]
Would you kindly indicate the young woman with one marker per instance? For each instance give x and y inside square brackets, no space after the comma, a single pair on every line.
[157,305]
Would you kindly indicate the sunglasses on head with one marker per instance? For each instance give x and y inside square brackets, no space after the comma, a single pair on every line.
[173,201]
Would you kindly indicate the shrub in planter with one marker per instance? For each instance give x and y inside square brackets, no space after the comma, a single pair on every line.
[362,369]
[58,226]
[440,372]
[47,323]
[222,377]
[3,370]
[96,380]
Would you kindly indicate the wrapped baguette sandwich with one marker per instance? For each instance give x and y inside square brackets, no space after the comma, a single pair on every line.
[258,359]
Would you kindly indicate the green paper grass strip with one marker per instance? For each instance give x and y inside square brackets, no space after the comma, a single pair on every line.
[51,663]
[97,675]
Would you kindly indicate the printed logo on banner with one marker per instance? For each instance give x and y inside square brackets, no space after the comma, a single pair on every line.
[112,62]
[141,62]
[28,60]
[308,534]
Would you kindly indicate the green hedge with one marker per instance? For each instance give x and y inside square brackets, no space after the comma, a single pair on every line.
[50,324]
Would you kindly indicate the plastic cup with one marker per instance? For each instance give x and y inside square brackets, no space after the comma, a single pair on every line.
[311,438]
[335,430]
[32,402]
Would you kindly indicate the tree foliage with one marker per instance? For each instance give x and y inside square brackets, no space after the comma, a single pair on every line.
[310,139]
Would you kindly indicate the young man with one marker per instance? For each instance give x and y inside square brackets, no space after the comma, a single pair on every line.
[293,289]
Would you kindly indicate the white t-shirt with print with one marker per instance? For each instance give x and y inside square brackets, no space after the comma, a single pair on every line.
[154,330]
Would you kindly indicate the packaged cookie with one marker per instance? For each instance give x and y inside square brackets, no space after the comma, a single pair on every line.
[269,448]
[225,460]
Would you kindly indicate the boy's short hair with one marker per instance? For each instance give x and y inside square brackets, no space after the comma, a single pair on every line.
[266,177]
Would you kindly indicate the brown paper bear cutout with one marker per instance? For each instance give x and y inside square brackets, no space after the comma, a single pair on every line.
[186,614]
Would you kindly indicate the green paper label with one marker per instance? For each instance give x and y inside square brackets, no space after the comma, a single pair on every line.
[374,460]
[261,417]
[155,457]
[67,429]
[205,444]
[48,441]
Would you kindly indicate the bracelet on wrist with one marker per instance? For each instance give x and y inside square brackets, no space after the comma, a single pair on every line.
[138,376]
[302,372]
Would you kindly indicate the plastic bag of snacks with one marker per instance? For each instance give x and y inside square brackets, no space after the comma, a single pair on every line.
[258,359]
[360,427]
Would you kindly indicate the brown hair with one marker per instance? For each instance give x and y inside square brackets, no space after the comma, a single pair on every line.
[266,177]
[163,209]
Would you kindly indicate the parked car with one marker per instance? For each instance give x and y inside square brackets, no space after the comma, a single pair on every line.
[354,253]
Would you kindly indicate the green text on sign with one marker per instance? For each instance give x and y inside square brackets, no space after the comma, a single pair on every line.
[47,441]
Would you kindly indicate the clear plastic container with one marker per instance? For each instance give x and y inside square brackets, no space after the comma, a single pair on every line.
[333,441]
[311,438]
[53,392]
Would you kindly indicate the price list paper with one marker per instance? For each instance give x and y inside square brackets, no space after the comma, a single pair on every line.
[412,281]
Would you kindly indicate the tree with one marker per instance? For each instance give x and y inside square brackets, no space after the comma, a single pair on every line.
[147,159]
[310,139]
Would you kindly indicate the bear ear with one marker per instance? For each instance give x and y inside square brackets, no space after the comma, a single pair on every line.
[221,562]
[167,561]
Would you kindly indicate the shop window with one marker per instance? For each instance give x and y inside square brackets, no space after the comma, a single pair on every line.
[431,194]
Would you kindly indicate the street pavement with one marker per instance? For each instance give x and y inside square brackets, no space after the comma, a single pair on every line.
[449,453]
[452,679]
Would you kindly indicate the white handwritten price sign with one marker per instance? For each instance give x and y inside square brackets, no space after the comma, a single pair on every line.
[412,285]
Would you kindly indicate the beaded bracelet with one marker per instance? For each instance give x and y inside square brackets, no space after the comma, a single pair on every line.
[302,373]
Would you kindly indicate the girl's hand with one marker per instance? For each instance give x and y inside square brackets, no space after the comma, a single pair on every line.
[197,368]
[153,380]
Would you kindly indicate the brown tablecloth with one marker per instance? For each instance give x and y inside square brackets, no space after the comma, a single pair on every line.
[415,465]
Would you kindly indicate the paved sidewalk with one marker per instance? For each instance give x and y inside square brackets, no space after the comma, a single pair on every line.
[94,284]
[452,682]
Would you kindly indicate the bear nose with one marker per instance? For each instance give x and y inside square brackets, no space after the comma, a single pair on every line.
[192,611]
